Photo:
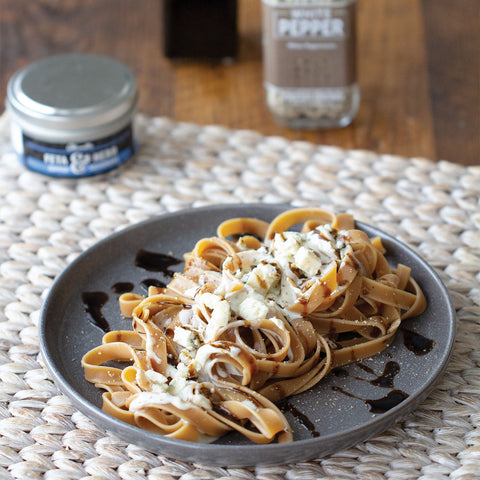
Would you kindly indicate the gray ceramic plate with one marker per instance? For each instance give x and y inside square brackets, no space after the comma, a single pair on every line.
[351,405]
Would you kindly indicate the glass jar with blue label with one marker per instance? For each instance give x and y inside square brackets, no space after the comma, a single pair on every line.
[309,60]
[72,115]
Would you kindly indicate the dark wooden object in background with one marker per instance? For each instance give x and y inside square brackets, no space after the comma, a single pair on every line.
[199,30]
[452,33]
[419,69]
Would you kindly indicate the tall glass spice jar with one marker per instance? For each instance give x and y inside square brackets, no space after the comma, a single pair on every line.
[309,59]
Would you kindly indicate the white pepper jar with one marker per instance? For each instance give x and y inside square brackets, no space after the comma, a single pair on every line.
[309,59]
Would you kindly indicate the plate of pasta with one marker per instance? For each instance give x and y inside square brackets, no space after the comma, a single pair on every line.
[247,334]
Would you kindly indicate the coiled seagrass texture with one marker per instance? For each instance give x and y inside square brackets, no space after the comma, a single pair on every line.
[45,223]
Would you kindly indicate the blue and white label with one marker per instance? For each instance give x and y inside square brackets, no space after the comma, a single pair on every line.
[78,159]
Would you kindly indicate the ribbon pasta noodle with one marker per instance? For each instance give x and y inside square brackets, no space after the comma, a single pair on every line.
[260,312]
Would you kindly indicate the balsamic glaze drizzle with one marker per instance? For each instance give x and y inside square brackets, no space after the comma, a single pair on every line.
[152,282]
[416,343]
[378,405]
[385,380]
[156,262]
[93,302]
[122,287]
[150,261]
[285,406]
[392,399]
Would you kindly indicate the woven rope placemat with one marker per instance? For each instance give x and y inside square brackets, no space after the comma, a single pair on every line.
[45,223]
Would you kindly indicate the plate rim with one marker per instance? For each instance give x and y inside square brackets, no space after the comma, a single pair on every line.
[375,425]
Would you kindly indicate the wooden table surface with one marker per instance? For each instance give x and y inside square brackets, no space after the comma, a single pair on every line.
[419,69]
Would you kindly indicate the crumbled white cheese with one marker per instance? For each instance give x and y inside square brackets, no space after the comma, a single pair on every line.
[307,261]
[228,284]
[182,370]
[249,258]
[235,351]
[171,371]
[191,292]
[340,242]
[252,309]
[219,317]
[208,299]
[184,337]
[263,277]
[185,316]
[158,382]
[236,298]
[324,248]
[289,291]
[221,314]
[200,400]
[177,383]
[283,248]
[195,322]
[290,243]
[186,356]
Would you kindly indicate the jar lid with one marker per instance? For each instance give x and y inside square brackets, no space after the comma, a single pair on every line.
[72,91]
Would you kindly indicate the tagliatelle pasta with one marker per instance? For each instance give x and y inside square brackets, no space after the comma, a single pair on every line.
[261,312]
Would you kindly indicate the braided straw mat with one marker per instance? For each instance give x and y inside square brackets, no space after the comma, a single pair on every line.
[45,223]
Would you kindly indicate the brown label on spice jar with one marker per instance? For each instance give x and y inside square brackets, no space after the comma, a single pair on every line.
[309,46]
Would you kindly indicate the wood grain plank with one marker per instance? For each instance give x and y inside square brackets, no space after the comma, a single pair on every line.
[117,28]
[230,93]
[394,116]
[453,46]
[396,111]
